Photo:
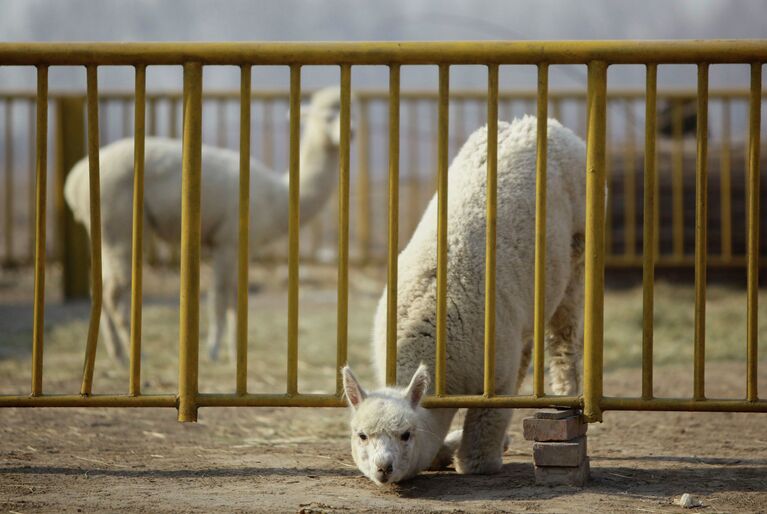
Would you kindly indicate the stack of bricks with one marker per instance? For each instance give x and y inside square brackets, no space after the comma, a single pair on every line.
[559,447]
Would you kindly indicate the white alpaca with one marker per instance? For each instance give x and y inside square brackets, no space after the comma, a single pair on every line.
[220,186]
[393,438]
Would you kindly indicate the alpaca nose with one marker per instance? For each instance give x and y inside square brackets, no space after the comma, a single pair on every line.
[384,471]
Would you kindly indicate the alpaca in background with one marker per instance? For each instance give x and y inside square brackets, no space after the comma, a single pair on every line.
[219,217]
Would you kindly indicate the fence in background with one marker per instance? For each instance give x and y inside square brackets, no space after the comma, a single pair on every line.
[596,56]
[676,164]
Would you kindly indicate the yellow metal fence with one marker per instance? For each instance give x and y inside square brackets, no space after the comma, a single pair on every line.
[596,56]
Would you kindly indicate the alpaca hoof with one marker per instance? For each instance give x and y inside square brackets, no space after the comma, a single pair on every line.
[485,466]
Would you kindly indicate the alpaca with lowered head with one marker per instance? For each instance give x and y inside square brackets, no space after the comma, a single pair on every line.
[219,217]
[393,438]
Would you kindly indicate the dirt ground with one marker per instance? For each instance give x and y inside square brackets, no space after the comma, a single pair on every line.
[293,460]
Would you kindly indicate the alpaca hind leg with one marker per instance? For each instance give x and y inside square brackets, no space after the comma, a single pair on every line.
[230,334]
[219,299]
[524,363]
[564,340]
[115,309]
[482,444]
[109,336]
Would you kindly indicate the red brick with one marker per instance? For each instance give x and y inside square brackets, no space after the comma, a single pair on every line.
[556,413]
[553,429]
[546,475]
[561,454]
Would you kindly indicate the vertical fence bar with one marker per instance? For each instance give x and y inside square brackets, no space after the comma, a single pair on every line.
[137,239]
[701,234]
[556,107]
[344,160]
[725,187]
[150,241]
[442,164]
[491,227]
[191,189]
[677,180]
[31,135]
[9,188]
[153,116]
[72,242]
[752,329]
[125,115]
[267,136]
[608,180]
[434,129]
[629,184]
[507,109]
[172,118]
[649,228]
[414,163]
[539,301]
[594,254]
[243,230]
[223,140]
[173,134]
[103,108]
[393,245]
[95,222]
[363,186]
[460,123]
[481,115]
[293,224]
[38,328]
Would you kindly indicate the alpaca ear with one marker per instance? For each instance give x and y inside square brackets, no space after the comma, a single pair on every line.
[354,392]
[418,385]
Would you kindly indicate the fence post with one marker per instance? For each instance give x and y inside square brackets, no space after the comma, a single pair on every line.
[595,242]
[189,320]
[72,239]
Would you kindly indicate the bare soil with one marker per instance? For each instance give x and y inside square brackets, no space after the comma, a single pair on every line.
[291,460]
[298,460]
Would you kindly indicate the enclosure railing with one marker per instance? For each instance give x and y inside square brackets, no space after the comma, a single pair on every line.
[674,237]
[596,55]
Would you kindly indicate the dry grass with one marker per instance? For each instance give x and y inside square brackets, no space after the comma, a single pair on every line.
[66,329]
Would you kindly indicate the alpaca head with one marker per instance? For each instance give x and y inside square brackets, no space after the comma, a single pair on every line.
[323,114]
[385,428]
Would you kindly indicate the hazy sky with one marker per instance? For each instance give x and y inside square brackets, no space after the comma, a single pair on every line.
[240,20]
[146,20]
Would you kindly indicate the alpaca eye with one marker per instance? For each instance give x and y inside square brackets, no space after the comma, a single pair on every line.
[405,436]
[363,437]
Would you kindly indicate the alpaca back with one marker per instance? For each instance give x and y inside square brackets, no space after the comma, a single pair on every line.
[162,192]
[467,176]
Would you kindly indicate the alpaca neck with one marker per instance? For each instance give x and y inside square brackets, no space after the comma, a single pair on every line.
[434,425]
[318,173]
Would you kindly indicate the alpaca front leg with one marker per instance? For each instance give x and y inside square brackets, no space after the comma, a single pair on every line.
[447,451]
[450,446]
[482,444]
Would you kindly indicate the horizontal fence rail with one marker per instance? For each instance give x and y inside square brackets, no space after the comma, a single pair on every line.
[596,56]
